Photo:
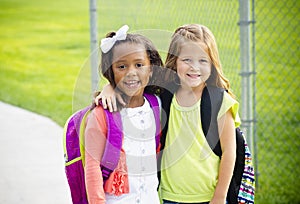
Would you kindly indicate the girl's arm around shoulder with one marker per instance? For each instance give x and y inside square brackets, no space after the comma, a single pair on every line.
[109,98]
[95,140]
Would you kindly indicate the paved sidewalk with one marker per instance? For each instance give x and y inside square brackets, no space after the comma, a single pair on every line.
[31,155]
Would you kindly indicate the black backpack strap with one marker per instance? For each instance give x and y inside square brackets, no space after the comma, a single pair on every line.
[235,183]
[211,101]
[166,98]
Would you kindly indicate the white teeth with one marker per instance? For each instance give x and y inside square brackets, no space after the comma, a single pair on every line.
[131,83]
[194,75]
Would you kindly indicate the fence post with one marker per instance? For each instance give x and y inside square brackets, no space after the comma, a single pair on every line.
[93,46]
[245,50]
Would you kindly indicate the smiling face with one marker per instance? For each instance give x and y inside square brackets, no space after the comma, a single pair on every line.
[193,65]
[131,68]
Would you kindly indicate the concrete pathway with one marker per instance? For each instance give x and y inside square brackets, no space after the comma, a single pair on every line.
[31,159]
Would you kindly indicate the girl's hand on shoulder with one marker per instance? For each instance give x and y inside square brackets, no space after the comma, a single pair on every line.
[109,97]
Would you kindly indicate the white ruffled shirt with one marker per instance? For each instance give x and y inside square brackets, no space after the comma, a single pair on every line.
[140,148]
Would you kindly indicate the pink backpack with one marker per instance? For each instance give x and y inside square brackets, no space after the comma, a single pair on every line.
[73,142]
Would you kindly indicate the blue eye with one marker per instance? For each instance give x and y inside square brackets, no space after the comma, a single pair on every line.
[204,61]
[187,60]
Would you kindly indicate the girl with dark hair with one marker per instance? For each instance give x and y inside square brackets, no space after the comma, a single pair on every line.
[127,62]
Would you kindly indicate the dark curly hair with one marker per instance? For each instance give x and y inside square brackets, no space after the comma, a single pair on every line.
[154,57]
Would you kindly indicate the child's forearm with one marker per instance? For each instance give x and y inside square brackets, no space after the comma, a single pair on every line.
[94,146]
[94,181]
[228,146]
[225,174]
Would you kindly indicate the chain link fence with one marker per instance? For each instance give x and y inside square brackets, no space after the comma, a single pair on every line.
[274,67]
[278,114]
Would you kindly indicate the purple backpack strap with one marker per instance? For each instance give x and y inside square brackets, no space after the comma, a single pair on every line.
[111,156]
[113,145]
[155,107]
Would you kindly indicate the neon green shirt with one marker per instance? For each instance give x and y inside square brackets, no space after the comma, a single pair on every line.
[189,166]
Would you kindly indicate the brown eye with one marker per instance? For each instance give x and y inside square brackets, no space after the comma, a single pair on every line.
[139,65]
[122,66]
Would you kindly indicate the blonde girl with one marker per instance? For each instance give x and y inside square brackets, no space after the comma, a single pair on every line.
[191,172]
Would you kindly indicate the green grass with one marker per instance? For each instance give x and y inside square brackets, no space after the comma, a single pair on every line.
[42,48]
[45,48]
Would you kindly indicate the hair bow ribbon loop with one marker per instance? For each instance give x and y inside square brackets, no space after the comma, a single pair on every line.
[108,43]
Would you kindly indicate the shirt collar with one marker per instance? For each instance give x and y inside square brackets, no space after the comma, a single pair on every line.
[131,112]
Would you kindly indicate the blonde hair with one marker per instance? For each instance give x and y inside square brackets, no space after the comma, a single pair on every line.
[202,35]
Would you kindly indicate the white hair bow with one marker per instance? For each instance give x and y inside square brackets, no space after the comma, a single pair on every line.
[108,43]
